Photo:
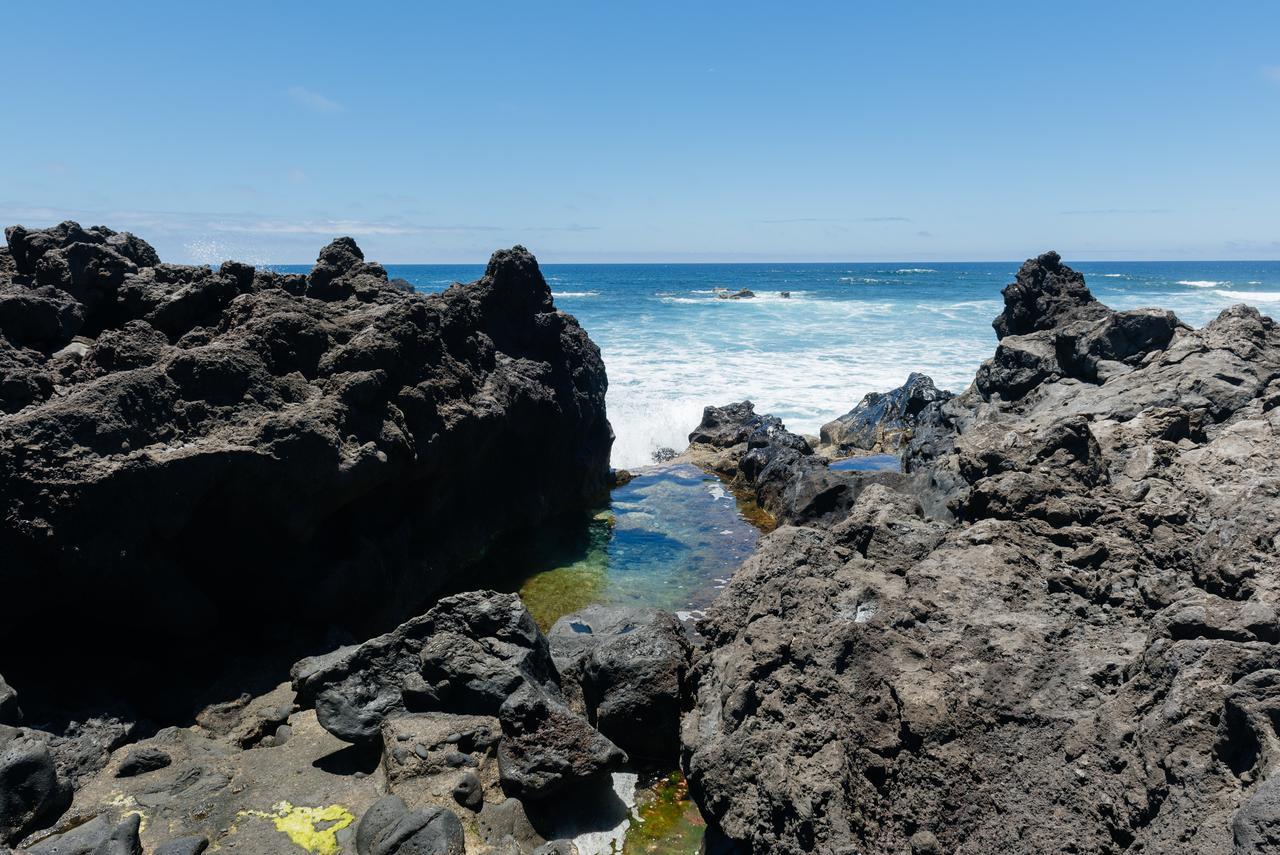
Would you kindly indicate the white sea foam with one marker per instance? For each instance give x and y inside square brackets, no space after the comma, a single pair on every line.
[555,293]
[915,270]
[1201,283]
[1252,296]
[1113,275]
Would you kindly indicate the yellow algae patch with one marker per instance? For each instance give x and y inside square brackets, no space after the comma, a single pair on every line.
[128,806]
[315,829]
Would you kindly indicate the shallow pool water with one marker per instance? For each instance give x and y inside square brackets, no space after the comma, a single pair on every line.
[670,539]
[867,463]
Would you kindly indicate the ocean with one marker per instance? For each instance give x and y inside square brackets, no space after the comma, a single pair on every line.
[671,346]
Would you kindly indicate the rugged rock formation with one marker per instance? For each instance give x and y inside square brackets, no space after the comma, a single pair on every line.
[194,458]
[774,467]
[882,421]
[1057,633]
[631,666]
[478,654]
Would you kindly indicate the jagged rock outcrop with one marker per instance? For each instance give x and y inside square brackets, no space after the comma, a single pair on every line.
[774,467]
[882,421]
[1057,633]
[478,654]
[195,458]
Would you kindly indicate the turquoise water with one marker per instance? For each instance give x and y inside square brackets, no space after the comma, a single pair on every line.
[671,346]
[670,538]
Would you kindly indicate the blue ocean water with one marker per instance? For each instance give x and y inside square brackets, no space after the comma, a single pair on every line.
[671,346]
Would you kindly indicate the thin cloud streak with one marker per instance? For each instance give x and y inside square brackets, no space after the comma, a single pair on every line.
[313,100]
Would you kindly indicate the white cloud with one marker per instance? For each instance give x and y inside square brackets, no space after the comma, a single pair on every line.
[313,100]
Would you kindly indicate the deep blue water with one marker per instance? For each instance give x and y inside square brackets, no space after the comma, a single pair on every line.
[671,347]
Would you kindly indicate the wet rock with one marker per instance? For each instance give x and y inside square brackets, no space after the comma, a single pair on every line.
[740,294]
[139,761]
[631,664]
[546,747]
[774,467]
[883,421]
[32,793]
[664,455]
[389,827]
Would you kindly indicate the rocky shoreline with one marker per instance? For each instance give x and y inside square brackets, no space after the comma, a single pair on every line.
[1053,630]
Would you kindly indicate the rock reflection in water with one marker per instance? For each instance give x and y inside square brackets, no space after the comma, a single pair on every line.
[670,539]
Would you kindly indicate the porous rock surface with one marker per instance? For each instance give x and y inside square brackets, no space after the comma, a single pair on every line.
[1057,633]
[198,456]
[882,421]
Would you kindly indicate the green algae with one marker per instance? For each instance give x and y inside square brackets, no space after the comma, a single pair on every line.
[667,822]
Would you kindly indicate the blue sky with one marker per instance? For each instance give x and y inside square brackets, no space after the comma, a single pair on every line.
[650,132]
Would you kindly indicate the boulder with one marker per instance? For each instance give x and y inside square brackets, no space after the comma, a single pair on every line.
[140,761]
[82,839]
[389,827]
[882,421]
[631,664]
[467,654]
[32,793]
[545,747]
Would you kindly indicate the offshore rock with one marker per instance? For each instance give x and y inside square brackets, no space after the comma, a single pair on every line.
[219,454]
[883,421]
[1058,632]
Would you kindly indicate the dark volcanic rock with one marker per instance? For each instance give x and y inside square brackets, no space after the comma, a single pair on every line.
[477,654]
[1044,294]
[222,454]
[183,846]
[139,761]
[883,421]
[389,827]
[32,793]
[1075,649]
[10,713]
[774,467]
[467,654]
[631,665]
[546,747]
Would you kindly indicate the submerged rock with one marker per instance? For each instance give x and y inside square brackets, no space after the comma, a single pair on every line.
[1056,633]
[226,452]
